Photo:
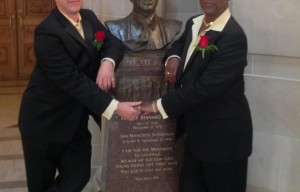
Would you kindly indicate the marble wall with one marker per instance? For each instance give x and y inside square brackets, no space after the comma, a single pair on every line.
[272,82]
[273,90]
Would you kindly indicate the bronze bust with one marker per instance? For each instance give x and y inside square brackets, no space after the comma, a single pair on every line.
[143,29]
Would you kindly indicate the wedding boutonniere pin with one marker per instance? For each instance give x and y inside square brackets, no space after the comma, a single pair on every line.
[99,38]
[204,46]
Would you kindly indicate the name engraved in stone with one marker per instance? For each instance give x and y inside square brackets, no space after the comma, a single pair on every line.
[136,61]
[143,117]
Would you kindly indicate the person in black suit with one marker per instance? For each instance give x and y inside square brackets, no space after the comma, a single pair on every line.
[207,65]
[143,29]
[62,93]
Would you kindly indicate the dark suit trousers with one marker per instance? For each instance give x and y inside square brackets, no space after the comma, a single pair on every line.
[72,160]
[199,176]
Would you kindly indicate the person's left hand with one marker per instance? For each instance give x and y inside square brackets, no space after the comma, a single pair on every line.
[147,107]
[105,77]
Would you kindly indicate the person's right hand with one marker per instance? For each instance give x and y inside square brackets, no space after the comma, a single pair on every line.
[171,69]
[129,110]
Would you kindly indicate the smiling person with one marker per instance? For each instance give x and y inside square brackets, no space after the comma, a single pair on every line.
[207,65]
[143,29]
[62,93]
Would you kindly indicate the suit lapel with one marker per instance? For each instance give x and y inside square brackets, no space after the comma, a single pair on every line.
[69,28]
[73,32]
[188,41]
[212,36]
[88,33]
[191,38]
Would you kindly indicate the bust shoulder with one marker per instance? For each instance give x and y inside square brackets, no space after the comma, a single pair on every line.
[171,24]
[170,28]
[118,26]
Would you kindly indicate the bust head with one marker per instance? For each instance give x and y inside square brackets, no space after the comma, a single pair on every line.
[143,29]
[144,6]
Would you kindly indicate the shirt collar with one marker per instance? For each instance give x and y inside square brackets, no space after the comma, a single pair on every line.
[218,24]
[72,21]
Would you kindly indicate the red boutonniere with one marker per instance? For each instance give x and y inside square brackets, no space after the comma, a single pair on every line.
[99,38]
[204,46]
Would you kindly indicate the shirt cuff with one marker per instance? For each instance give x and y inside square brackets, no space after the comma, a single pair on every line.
[172,56]
[109,111]
[161,109]
[110,60]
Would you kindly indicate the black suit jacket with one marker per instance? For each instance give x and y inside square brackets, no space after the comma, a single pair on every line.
[210,100]
[62,85]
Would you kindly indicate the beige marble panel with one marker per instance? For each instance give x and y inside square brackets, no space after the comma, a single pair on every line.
[181,17]
[96,142]
[275,105]
[249,67]
[96,155]
[275,163]
[95,131]
[109,7]
[276,66]
[264,162]
[274,24]
[179,6]
[178,9]
[87,4]
[257,189]
[96,6]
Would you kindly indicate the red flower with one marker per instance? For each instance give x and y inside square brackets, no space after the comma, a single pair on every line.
[203,41]
[204,46]
[99,38]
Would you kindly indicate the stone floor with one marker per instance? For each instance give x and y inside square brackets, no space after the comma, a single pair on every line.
[12,172]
